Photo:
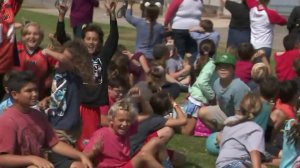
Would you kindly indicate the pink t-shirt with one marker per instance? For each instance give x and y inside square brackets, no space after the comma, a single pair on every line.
[243,70]
[25,133]
[116,149]
[284,64]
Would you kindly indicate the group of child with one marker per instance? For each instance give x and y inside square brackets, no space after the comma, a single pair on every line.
[87,99]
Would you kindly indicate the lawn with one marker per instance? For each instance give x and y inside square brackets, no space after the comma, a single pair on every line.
[192,147]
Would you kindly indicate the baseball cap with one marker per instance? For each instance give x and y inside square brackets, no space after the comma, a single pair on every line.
[225,59]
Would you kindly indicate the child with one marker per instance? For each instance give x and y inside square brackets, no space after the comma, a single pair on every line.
[178,68]
[27,132]
[284,60]
[290,150]
[258,73]
[229,93]
[74,69]
[8,57]
[205,31]
[117,89]
[149,32]
[262,20]
[285,106]
[110,145]
[242,140]
[201,92]
[158,124]
[31,57]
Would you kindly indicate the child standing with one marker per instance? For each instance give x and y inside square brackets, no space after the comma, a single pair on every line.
[242,140]
[8,57]
[201,92]
[27,132]
[262,20]
[149,32]
[110,145]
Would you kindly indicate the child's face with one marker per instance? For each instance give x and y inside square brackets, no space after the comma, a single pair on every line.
[225,71]
[27,96]
[121,122]
[32,38]
[91,40]
[116,93]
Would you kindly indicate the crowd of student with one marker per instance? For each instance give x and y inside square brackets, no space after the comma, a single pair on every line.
[90,102]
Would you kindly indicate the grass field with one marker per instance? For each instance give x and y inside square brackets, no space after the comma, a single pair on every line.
[192,147]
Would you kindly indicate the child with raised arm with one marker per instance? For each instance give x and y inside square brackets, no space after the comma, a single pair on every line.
[27,132]
[149,31]
[242,141]
[8,55]
[110,145]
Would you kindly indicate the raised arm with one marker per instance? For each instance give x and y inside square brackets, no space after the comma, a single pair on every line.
[128,15]
[61,34]
[180,119]
[111,43]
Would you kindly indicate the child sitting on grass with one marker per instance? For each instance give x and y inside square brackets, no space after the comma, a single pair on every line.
[110,145]
[242,141]
[27,132]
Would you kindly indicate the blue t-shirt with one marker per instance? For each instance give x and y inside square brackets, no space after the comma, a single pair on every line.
[290,151]
[229,99]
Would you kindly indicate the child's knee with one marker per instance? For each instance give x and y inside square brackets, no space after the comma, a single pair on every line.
[202,112]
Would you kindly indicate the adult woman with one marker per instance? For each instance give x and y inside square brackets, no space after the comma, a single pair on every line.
[239,26]
[183,15]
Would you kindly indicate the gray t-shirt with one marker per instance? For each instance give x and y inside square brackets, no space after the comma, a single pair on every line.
[229,98]
[174,64]
[238,141]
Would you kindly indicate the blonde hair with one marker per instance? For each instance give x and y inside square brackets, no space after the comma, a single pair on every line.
[259,72]
[249,108]
[24,29]
[125,104]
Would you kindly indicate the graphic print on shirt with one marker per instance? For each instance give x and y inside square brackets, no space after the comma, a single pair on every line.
[6,24]
[97,66]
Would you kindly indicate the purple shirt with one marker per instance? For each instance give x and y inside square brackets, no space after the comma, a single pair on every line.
[82,11]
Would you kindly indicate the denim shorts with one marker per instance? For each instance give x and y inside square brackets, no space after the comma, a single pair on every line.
[191,109]
[235,164]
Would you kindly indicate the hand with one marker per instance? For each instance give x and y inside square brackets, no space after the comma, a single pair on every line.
[40,162]
[110,6]
[85,161]
[127,53]
[98,146]
[62,7]
[44,104]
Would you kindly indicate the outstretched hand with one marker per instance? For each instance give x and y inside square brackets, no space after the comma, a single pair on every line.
[110,6]
[62,7]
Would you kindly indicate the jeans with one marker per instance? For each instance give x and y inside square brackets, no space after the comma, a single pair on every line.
[267,51]
[235,164]
[184,43]
[237,36]
[77,31]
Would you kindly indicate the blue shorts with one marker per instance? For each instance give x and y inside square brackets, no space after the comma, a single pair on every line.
[191,109]
[235,164]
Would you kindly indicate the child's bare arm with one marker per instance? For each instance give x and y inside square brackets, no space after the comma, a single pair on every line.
[181,118]
[255,159]
[66,150]
[144,64]
[9,160]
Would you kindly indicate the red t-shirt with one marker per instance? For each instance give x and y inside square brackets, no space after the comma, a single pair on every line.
[287,109]
[38,63]
[284,64]
[25,133]
[116,149]
[8,12]
[243,70]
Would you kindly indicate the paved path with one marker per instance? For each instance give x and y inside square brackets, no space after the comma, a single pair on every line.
[220,24]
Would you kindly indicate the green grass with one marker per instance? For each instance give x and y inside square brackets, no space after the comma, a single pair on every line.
[192,147]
